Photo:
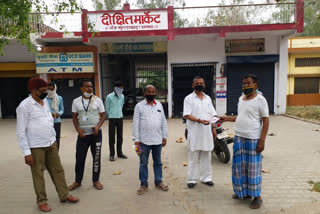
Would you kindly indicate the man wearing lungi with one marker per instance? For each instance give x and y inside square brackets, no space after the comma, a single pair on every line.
[251,128]
[199,112]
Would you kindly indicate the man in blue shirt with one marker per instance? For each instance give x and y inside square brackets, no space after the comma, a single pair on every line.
[56,107]
[114,105]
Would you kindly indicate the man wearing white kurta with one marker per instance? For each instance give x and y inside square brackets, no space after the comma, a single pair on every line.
[199,112]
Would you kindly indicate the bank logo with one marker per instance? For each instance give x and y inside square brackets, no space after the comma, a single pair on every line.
[63,57]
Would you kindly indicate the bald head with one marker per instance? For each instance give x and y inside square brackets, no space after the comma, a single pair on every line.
[150,93]
[149,87]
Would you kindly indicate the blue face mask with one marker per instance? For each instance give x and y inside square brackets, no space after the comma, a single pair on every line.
[118,91]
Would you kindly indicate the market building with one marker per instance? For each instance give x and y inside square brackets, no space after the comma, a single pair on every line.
[303,87]
[17,65]
[145,46]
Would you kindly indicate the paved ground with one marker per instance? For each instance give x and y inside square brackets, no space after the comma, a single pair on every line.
[292,156]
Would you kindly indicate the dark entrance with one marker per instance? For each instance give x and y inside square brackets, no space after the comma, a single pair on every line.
[69,89]
[136,71]
[235,73]
[183,74]
[12,92]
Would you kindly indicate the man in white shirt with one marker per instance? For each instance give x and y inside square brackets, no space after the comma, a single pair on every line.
[37,140]
[199,112]
[251,128]
[88,115]
[149,132]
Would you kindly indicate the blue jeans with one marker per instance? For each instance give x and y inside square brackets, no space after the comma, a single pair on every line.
[157,165]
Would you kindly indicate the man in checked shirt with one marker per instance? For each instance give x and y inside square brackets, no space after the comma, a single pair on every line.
[150,131]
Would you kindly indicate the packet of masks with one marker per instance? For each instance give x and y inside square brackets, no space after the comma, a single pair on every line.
[214,119]
[138,149]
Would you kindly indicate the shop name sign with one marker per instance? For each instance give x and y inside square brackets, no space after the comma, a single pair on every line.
[139,47]
[244,45]
[73,62]
[129,21]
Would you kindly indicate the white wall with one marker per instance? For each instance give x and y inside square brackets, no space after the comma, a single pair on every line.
[15,52]
[192,49]
[283,70]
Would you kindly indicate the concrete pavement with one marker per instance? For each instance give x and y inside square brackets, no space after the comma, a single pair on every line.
[292,156]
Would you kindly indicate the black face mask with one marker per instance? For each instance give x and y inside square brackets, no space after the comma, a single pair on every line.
[150,97]
[43,95]
[199,88]
[248,90]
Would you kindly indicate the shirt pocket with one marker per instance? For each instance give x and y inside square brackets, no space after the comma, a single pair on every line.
[145,115]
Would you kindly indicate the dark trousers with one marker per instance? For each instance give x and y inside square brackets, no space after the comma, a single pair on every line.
[57,128]
[83,144]
[113,124]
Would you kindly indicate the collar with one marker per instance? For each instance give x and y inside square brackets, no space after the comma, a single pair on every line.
[195,95]
[114,94]
[33,101]
[146,103]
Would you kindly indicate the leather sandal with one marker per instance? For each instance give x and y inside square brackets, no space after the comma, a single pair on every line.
[256,203]
[141,190]
[74,186]
[44,208]
[98,185]
[162,187]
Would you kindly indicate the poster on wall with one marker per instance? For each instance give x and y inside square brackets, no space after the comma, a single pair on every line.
[244,45]
[71,62]
[129,21]
[221,94]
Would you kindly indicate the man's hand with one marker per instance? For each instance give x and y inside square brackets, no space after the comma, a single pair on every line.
[164,142]
[57,115]
[214,133]
[96,130]
[223,119]
[137,143]
[260,146]
[204,122]
[81,131]
[28,160]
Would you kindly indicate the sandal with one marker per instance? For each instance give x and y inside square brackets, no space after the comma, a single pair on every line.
[141,190]
[162,187]
[98,185]
[74,186]
[256,203]
[234,196]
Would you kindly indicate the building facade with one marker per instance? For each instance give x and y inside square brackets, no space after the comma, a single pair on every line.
[143,46]
[303,87]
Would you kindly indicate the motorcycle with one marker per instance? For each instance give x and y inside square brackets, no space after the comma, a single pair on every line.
[220,144]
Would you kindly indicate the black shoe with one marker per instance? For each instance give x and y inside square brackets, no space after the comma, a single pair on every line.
[209,183]
[191,185]
[111,158]
[122,156]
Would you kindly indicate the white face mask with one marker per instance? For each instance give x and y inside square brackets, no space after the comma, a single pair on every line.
[118,91]
[87,95]
[50,93]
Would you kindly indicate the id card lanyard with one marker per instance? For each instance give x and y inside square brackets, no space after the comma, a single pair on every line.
[86,108]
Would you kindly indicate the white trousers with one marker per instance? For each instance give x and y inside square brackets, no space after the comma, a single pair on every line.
[205,166]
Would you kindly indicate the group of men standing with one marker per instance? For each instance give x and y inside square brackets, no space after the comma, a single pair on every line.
[39,124]
[39,128]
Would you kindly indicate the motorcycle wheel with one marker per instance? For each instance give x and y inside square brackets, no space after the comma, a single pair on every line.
[223,152]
